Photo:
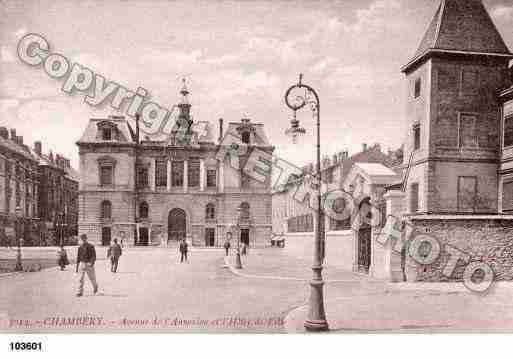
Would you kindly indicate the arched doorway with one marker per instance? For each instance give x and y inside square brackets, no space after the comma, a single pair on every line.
[364,236]
[176,225]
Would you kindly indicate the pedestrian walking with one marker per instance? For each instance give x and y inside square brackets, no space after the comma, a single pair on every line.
[122,241]
[86,257]
[183,251]
[227,243]
[244,248]
[62,258]
[114,253]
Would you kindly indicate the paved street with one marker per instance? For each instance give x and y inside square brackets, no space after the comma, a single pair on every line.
[153,292]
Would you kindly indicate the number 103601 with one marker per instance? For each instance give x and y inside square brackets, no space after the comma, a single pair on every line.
[15,346]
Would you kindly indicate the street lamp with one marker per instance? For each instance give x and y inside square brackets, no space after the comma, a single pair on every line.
[316,320]
[238,262]
[19,266]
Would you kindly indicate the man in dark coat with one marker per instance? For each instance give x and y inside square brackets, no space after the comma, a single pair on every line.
[227,243]
[86,257]
[114,253]
[183,250]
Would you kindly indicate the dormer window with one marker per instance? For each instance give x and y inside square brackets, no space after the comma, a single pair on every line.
[246,137]
[107,134]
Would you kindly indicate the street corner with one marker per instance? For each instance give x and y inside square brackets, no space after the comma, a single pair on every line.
[388,312]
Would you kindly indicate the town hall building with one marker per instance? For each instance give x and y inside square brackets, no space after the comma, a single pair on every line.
[156,191]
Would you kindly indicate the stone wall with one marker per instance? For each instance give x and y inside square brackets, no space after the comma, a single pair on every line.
[488,240]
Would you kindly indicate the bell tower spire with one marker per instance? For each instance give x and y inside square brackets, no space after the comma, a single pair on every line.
[184,104]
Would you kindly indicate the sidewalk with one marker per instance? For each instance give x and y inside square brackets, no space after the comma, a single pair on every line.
[359,303]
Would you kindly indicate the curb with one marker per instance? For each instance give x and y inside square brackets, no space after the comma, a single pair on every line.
[235,271]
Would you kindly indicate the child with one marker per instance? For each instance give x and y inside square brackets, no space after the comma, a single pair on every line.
[62,258]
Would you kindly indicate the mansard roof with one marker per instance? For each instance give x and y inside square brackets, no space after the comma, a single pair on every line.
[461,26]
[235,128]
[92,135]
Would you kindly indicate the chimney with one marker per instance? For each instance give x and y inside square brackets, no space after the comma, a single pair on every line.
[364,147]
[19,140]
[38,147]
[13,134]
[220,130]
[4,133]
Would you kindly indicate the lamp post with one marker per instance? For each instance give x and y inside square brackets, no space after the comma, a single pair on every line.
[19,266]
[316,320]
[238,262]
[60,223]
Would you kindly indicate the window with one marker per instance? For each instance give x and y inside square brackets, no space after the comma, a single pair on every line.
[447,79]
[508,131]
[142,177]
[210,211]
[177,173]
[244,213]
[467,193]
[106,175]
[469,82]
[161,173]
[211,178]
[507,196]
[417,87]
[106,210]
[107,134]
[193,173]
[414,197]
[416,137]
[143,210]
[306,200]
[467,131]
[246,137]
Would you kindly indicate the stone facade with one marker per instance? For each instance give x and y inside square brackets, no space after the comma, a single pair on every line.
[162,190]
[18,189]
[455,163]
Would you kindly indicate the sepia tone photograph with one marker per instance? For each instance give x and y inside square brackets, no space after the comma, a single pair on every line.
[244,167]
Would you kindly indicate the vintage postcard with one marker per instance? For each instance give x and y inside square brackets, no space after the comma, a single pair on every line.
[256,167]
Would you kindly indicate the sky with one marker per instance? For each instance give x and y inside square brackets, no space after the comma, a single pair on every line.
[238,59]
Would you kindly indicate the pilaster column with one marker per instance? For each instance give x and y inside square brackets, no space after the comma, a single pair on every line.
[169,175]
[185,176]
[202,174]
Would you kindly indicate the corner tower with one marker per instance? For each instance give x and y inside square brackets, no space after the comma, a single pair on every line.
[452,142]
